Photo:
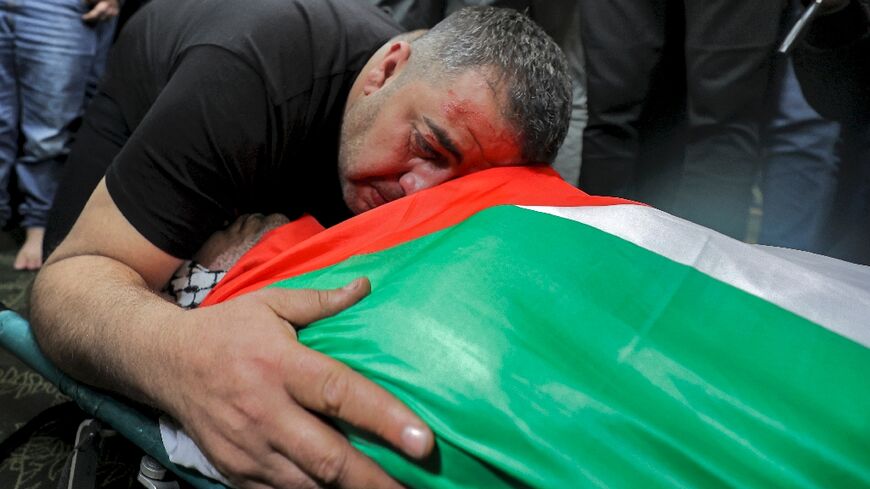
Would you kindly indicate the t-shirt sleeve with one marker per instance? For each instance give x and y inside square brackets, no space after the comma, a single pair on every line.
[191,161]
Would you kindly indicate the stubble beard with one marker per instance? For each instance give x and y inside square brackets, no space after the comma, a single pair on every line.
[354,130]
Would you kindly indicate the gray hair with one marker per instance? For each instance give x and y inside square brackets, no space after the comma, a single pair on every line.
[523,60]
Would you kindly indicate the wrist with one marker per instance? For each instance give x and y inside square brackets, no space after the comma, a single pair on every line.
[163,348]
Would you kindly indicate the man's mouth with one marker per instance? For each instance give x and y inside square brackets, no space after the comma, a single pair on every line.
[377,198]
[383,193]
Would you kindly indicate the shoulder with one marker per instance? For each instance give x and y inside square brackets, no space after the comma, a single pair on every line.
[292,42]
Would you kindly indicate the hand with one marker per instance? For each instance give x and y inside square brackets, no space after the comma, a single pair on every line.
[102,10]
[249,394]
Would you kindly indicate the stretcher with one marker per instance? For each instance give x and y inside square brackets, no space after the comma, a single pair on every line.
[553,339]
[137,424]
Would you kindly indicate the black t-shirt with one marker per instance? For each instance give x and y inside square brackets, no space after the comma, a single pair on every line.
[235,106]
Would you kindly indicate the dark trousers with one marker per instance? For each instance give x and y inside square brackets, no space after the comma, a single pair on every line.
[800,160]
[848,233]
[727,46]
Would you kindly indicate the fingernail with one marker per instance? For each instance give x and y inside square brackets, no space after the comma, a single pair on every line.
[415,441]
[351,286]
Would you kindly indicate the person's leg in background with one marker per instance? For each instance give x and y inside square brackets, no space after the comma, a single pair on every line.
[662,125]
[54,54]
[847,235]
[623,42]
[569,160]
[105,36]
[561,20]
[800,162]
[729,44]
[8,108]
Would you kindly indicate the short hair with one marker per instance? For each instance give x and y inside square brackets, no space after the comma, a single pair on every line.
[528,65]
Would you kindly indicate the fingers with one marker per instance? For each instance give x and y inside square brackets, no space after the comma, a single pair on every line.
[252,223]
[315,382]
[271,471]
[275,220]
[257,467]
[236,225]
[302,452]
[103,10]
[302,307]
[344,394]
[326,456]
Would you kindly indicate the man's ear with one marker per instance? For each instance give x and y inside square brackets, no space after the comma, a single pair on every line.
[388,66]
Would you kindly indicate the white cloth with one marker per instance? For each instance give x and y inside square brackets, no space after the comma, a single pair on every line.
[182,451]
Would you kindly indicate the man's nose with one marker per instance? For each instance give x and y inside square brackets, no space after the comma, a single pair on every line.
[416,181]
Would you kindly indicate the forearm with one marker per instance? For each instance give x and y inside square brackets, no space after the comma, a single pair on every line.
[99,321]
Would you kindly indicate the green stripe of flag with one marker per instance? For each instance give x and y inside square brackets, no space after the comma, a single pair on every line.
[547,353]
[833,293]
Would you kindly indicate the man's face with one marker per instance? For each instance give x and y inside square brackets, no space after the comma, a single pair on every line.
[411,135]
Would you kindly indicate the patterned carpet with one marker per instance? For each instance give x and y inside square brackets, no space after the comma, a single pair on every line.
[38,462]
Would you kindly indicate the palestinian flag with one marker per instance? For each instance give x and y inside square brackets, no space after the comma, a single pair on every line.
[552,339]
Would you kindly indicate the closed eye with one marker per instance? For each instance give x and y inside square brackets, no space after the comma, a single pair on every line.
[424,149]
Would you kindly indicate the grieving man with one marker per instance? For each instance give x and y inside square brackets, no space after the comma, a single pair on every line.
[212,109]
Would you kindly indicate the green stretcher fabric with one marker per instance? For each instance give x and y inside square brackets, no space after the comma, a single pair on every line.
[541,362]
[125,417]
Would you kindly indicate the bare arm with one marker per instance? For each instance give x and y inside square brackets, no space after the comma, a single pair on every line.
[233,374]
[101,277]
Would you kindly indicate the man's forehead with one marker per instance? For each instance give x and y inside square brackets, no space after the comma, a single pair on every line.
[474,108]
[472,91]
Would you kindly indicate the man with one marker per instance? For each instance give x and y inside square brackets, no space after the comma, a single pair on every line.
[215,108]
[559,18]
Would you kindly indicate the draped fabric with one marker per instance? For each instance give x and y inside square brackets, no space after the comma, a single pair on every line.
[553,339]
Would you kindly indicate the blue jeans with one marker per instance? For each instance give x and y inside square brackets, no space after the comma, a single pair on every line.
[799,175]
[48,56]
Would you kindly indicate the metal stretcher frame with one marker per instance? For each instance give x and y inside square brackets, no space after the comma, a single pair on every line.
[127,419]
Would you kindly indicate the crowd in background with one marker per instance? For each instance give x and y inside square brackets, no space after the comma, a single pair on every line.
[52,55]
[683,104]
